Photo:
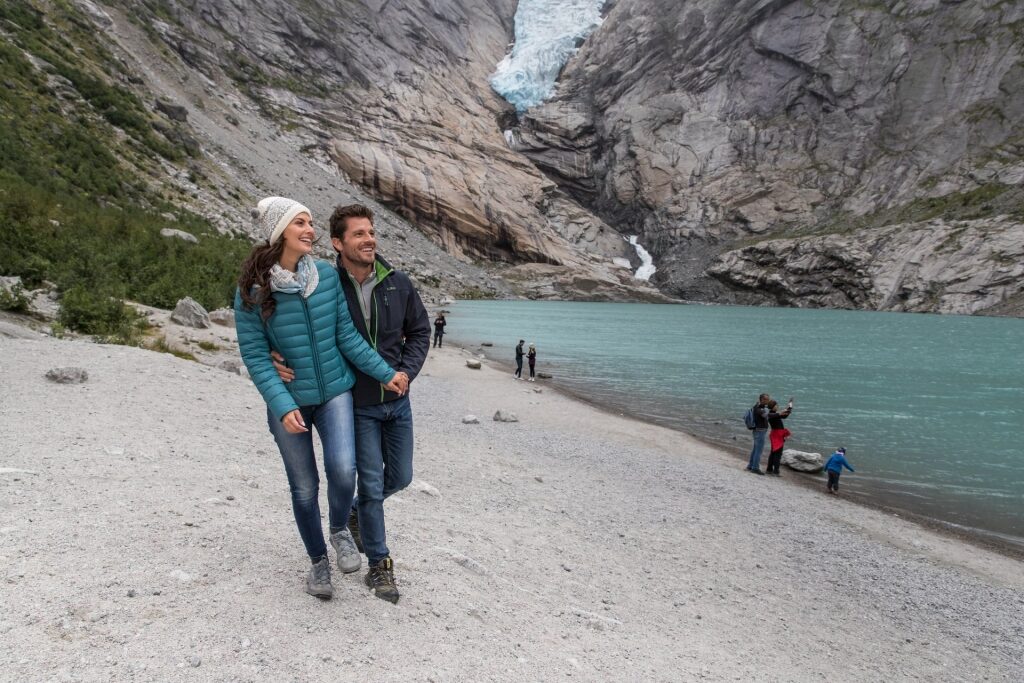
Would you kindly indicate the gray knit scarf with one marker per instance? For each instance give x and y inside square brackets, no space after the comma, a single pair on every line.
[303,281]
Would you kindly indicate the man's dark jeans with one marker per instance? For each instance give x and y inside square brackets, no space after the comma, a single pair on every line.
[384,461]
[519,366]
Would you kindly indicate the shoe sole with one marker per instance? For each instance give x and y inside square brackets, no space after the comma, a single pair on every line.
[321,594]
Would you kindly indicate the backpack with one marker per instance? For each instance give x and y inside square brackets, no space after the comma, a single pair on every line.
[748,418]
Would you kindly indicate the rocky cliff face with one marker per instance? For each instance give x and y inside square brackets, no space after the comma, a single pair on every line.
[397,95]
[709,125]
[750,143]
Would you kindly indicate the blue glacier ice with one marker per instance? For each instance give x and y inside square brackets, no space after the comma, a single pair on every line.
[547,35]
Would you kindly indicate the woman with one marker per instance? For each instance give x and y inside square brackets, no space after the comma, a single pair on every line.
[291,303]
[778,435]
[531,356]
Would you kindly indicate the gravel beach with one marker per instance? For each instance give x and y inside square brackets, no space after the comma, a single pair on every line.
[146,534]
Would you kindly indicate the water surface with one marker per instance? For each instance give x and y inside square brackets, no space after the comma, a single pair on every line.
[929,408]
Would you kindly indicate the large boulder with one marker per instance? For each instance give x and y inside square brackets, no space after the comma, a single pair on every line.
[190,313]
[802,461]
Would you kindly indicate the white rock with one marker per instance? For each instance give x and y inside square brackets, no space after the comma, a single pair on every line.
[179,234]
[802,461]
[502,416]
[473,364]
[471,420]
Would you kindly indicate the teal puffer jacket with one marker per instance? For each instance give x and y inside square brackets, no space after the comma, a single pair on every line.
[311,334]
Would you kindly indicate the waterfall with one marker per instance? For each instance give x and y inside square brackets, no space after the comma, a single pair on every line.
[647,267]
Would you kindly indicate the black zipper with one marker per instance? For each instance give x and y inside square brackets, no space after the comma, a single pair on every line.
[316,354]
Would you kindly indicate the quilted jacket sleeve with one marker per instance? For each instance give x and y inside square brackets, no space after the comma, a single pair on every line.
[255,349]
[355,348]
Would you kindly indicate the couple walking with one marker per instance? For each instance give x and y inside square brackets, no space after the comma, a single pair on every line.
[531,356]
[302,323]
[766,416]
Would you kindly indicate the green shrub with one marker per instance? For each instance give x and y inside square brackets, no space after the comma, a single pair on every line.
[208,346]
[99,314]
[14,300]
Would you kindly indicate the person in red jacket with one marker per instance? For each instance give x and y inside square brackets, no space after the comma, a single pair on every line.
[778,435]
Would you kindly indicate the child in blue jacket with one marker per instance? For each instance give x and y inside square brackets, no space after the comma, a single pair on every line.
[833,468]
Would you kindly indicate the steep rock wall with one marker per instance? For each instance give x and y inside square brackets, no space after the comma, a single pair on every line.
[708,124]
[398,93]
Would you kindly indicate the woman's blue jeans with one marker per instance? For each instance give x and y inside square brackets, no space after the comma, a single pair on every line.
[333,422]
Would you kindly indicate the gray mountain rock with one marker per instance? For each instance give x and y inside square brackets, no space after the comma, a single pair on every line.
[190,313]
[69,375]
[744,141]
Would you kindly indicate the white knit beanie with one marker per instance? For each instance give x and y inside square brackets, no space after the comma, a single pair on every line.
[273,215]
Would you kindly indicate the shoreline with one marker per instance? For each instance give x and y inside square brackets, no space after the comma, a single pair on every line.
[569,544]
[976,537]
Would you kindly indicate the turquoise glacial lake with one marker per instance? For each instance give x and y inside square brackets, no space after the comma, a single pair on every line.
[930,408]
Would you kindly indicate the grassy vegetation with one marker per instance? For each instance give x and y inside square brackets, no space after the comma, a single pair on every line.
[73,208]
[160,344]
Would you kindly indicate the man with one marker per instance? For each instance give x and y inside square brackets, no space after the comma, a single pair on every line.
[388,312]
[439,323]
[519,359]
[760,431]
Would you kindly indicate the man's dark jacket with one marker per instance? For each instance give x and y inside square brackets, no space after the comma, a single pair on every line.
[399,328]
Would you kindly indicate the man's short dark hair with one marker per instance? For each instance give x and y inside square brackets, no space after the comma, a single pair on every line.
[339,219]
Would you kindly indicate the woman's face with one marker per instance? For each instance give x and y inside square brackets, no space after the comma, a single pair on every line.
[299,235]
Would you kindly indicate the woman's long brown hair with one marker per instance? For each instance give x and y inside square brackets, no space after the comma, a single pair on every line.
[256,272]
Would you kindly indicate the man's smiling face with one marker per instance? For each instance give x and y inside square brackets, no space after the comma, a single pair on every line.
[358,244]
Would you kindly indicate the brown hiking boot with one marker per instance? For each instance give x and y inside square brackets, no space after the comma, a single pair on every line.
[381,579]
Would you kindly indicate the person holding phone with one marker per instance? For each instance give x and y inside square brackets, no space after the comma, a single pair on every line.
[778,435]
[291,303]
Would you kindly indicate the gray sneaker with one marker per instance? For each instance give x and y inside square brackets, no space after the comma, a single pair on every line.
[318,582]
[349,559]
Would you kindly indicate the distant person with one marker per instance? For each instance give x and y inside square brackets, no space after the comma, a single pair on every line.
[532,358]
[519,359]
[760,431]
[778,435]
[834,467]
[439,323]
[280,285]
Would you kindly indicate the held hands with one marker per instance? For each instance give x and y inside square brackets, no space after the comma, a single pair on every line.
[293,423]
[398,384]
[285,372]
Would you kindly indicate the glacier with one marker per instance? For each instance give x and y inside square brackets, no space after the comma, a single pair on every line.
[547,34]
